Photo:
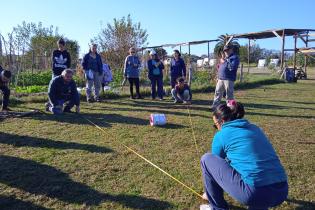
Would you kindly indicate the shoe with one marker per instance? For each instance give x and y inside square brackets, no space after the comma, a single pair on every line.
[90,100]
[98,100]
[131,97]
[6,109]
[176,102]
[161,99]
[139,97]
[152,99]
[187,102]
[212,108]
[68,111]
[47,105]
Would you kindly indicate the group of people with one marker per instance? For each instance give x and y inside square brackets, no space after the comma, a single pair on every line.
[242,162]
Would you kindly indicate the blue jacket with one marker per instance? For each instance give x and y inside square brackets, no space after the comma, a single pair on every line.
[153,70]
[59,90]
[250,153]
[228,69]
[178,68]
[86,65]
[131,67]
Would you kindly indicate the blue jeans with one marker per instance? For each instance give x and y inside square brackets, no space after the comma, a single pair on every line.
[58,108]
[219,176]
[157,81]
[181,97]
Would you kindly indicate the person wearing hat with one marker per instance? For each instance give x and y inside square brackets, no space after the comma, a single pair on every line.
[178,68]
[60,58]
[226,76]
[5,77]
[155,75]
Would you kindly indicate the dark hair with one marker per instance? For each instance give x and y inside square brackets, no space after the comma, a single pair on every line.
[7,74]
[61,41]
[176,51]
[229,113]
[181,79]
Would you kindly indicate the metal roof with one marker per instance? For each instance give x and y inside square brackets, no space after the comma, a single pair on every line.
[270,33]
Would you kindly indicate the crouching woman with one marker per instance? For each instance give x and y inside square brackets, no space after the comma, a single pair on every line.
[243,163]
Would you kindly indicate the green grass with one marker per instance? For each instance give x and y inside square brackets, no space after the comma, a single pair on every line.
[63,162]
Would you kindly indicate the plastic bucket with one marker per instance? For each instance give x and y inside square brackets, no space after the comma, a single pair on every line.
[157,119]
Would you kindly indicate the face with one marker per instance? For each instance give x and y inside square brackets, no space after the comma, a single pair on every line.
[68,77]
[176,55]
[228,52]
[61,47]
[153,56]
[94,48]
[132,51]
[181,84]
[216,123]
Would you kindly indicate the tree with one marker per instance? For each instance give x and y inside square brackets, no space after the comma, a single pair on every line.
[116,39]
[223,39]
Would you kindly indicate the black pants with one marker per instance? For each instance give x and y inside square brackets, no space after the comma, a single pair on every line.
[135,81]
[6,95]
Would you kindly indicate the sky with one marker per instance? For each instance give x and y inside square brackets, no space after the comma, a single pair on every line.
[171,21]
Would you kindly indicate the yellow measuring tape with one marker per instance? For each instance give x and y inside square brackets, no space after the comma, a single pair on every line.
[193,131]
[148,161]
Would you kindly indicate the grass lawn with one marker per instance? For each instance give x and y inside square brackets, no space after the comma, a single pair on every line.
[63,162]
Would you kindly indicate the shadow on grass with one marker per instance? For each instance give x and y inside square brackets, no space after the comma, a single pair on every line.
[278,115]
[40,179]
[9,202]
[302,205]
[102,120]
[28,141]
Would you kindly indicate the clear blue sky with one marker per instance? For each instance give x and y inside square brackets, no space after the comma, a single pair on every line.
[169,21]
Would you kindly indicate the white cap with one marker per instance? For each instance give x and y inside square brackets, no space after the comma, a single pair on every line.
[152,52]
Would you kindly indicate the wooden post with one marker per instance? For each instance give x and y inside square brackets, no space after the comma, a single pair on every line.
[241,75]
[190,68]
[282,49]
[248,55]
[180,49]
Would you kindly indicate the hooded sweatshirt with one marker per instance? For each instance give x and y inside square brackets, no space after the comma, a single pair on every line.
[249,152]
[61,60]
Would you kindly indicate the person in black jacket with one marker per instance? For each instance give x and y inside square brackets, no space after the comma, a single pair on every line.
[60,59]
[5,77]
[156,67]
[63,89]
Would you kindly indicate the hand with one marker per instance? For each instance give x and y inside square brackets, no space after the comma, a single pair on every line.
[77,109]
[222,60]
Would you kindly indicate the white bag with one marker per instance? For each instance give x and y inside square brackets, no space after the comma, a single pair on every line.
[89,74]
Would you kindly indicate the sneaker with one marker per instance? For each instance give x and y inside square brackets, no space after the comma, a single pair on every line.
[176,102]
[68,111]
[139,97]
[90,100]
[47,105]
[187,102]
[205,207]
[98,100]
[161,99]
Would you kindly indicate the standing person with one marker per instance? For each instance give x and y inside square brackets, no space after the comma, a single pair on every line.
[132,72]
[63,89]
[60,59]
[178,68]
[226,76]
[156,67]
[107,75]
[243,163]
[5,77]
[93,68]
[181,92]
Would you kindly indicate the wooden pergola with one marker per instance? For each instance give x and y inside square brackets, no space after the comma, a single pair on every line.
[303,34]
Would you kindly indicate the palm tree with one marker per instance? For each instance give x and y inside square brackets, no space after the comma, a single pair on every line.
[223,39]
